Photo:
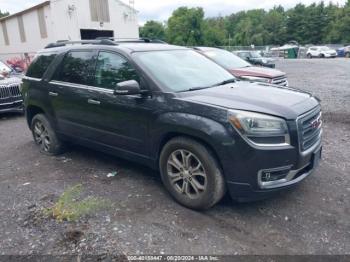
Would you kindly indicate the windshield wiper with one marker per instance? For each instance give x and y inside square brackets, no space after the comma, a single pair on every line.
[231,80]
[198,88]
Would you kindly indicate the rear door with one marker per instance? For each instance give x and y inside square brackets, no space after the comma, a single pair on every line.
[69,91]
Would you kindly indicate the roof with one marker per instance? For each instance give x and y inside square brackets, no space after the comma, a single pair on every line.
[26,10]
[128,47]
[205,48]
[126,5]
[139,47]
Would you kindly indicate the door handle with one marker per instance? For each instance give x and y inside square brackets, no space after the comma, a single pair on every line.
[94,102]
[53,94]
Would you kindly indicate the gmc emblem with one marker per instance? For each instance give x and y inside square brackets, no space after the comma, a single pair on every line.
[316,123]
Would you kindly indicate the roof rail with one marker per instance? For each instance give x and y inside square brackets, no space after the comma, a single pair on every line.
[61,43]
[133,40]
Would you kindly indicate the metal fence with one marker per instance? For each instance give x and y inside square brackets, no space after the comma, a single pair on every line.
[266,50]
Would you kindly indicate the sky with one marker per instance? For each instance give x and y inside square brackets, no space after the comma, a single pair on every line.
[160,10]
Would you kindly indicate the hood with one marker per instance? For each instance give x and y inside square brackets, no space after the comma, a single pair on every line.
[330,52]
[257,71]
[256,97]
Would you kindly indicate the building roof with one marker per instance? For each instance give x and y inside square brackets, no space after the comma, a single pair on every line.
[126,5]
[47,3]
[26,10]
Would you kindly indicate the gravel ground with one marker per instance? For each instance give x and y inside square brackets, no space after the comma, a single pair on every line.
[313,218]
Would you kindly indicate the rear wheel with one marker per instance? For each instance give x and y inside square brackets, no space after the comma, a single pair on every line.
[191,173]
[347,55]
[309,56]
[44,136]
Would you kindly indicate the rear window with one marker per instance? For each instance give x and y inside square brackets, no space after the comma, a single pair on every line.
[39,65]
[77,68]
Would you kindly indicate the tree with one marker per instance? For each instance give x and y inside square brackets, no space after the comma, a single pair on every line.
[185,27]
[307,24]
[215,33]
[275,26]
[153,30]
[4,14]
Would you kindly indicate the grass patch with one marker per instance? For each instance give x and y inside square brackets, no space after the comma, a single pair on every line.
[70,208]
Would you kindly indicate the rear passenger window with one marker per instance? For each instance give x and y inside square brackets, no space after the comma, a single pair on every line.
[112,69]
[39,65]
[77,67]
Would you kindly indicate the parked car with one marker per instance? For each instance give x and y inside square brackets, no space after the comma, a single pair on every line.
[242,69]
[321,52]
[255,58]
[10,96]
[347,51]
[6,70]
[174,110]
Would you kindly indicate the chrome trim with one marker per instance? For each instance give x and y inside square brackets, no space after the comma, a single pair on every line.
[11,103]
[319,139]
[32,78]
[94,102]
[288,180]
[53,94]
[85,87]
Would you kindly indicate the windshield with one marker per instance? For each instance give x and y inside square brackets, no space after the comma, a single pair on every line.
[226,59]
[256,54]
[4,68]
[182,70]
[325,48]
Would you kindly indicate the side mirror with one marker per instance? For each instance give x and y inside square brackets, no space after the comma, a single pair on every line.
[130,87]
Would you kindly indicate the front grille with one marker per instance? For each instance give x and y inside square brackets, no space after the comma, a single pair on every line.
[281,81]
[310,129]
[10,91]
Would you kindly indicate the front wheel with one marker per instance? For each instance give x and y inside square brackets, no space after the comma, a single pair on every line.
[191,173]
[347,55]
[44,136]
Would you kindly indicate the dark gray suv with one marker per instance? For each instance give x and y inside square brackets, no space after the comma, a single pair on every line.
[174,110]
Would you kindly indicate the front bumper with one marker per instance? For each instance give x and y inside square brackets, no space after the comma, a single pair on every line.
[245,170]
[330,55]
[16,107]
[270,65]
[243,192]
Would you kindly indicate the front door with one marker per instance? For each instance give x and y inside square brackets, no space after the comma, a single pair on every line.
[120,121]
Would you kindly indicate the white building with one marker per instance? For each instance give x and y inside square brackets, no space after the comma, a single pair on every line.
[32,29]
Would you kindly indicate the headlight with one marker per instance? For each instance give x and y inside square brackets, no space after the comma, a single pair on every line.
[256,79]
[260,129]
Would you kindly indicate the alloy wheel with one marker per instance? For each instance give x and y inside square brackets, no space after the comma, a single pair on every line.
[41,136]
[187,174]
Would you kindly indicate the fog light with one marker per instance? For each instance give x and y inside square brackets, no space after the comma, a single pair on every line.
[274,175]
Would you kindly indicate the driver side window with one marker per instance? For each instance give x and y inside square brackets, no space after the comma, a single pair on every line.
[112,69]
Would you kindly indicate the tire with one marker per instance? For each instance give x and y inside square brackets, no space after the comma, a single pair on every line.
[309,56]
[347,55]
[208,179]
[321,56]
[45,137]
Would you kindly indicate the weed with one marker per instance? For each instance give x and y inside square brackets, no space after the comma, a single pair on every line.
[69,208]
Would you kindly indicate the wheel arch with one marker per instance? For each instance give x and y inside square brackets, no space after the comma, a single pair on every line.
[31,111]
[171,135]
